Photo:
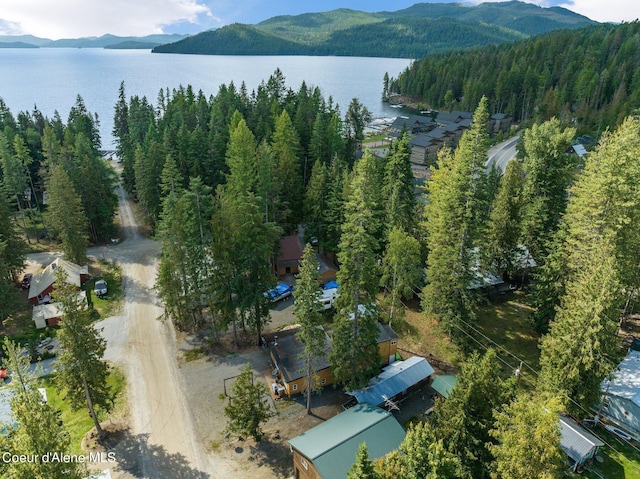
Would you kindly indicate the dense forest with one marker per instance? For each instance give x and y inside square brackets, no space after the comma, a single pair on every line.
[589,77]
[410,33]
[223,178]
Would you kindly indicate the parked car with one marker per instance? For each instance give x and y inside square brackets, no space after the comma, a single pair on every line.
[26,280]
[100,288]
[281,291]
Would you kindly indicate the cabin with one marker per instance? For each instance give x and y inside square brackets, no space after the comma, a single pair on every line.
[290,255]
[42,283]
[387,343]
[328,450]
[289,375]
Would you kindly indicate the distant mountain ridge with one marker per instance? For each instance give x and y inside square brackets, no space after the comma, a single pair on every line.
[409,33]
[105,41]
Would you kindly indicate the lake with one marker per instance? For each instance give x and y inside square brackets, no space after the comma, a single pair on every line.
[52,78]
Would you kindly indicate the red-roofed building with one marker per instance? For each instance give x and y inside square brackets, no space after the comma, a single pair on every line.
[290,255]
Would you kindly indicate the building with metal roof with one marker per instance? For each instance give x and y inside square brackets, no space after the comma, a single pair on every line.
[329,450]
[394,380]
[577,443]
[622,393]
[443,384]
[42,283]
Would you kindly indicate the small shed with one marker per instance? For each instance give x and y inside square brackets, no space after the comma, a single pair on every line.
[290,255]
[329,450]
[443,384]
[578,444]
[396,379]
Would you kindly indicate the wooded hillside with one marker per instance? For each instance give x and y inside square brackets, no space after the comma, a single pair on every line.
[409,33]
[589,76]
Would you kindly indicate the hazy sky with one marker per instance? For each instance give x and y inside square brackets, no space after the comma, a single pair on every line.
[72,18]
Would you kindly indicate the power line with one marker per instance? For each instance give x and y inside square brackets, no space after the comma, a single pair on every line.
[535,386]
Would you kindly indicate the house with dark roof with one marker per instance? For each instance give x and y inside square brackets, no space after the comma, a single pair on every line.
[328,450]
[290,255]
[413,124]
[286,355]
[500,122]
[42,283]
[394,381]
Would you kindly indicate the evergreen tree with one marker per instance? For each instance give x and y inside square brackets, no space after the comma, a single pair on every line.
[66,215]
[503,235]
[316,202]
[355,357]
[338,181]
[576,355]
[82,372]
[452,222]
[420,456]
[241,159]
[604,206]
[401,270]
[38,431]
[247,407]
[308,311]
[363,467]
[548,173]
[286,150]
[355,121]
[398,193]
[464,420]
[527,432]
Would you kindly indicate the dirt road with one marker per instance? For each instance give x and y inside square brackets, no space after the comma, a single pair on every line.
[160,441]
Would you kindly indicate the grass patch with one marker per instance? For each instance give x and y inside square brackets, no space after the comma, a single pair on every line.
[111,303]
[620,459]
[193,354]
[505,322]
[424,336]
[78,423]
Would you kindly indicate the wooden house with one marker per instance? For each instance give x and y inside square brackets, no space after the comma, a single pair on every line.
[42,283]
[328,450]
[290,377]
[290,255]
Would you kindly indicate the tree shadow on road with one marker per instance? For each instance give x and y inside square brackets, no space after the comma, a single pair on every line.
[131,449]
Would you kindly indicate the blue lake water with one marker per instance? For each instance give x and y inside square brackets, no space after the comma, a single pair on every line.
[51,78]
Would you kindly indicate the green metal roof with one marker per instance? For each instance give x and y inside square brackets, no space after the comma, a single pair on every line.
[332,445]
[444,384]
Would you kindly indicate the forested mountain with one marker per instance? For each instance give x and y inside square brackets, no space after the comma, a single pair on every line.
[105,41]
[409,33]
[590,76]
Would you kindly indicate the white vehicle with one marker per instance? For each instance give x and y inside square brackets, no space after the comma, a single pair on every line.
[328,298]
[100,288]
